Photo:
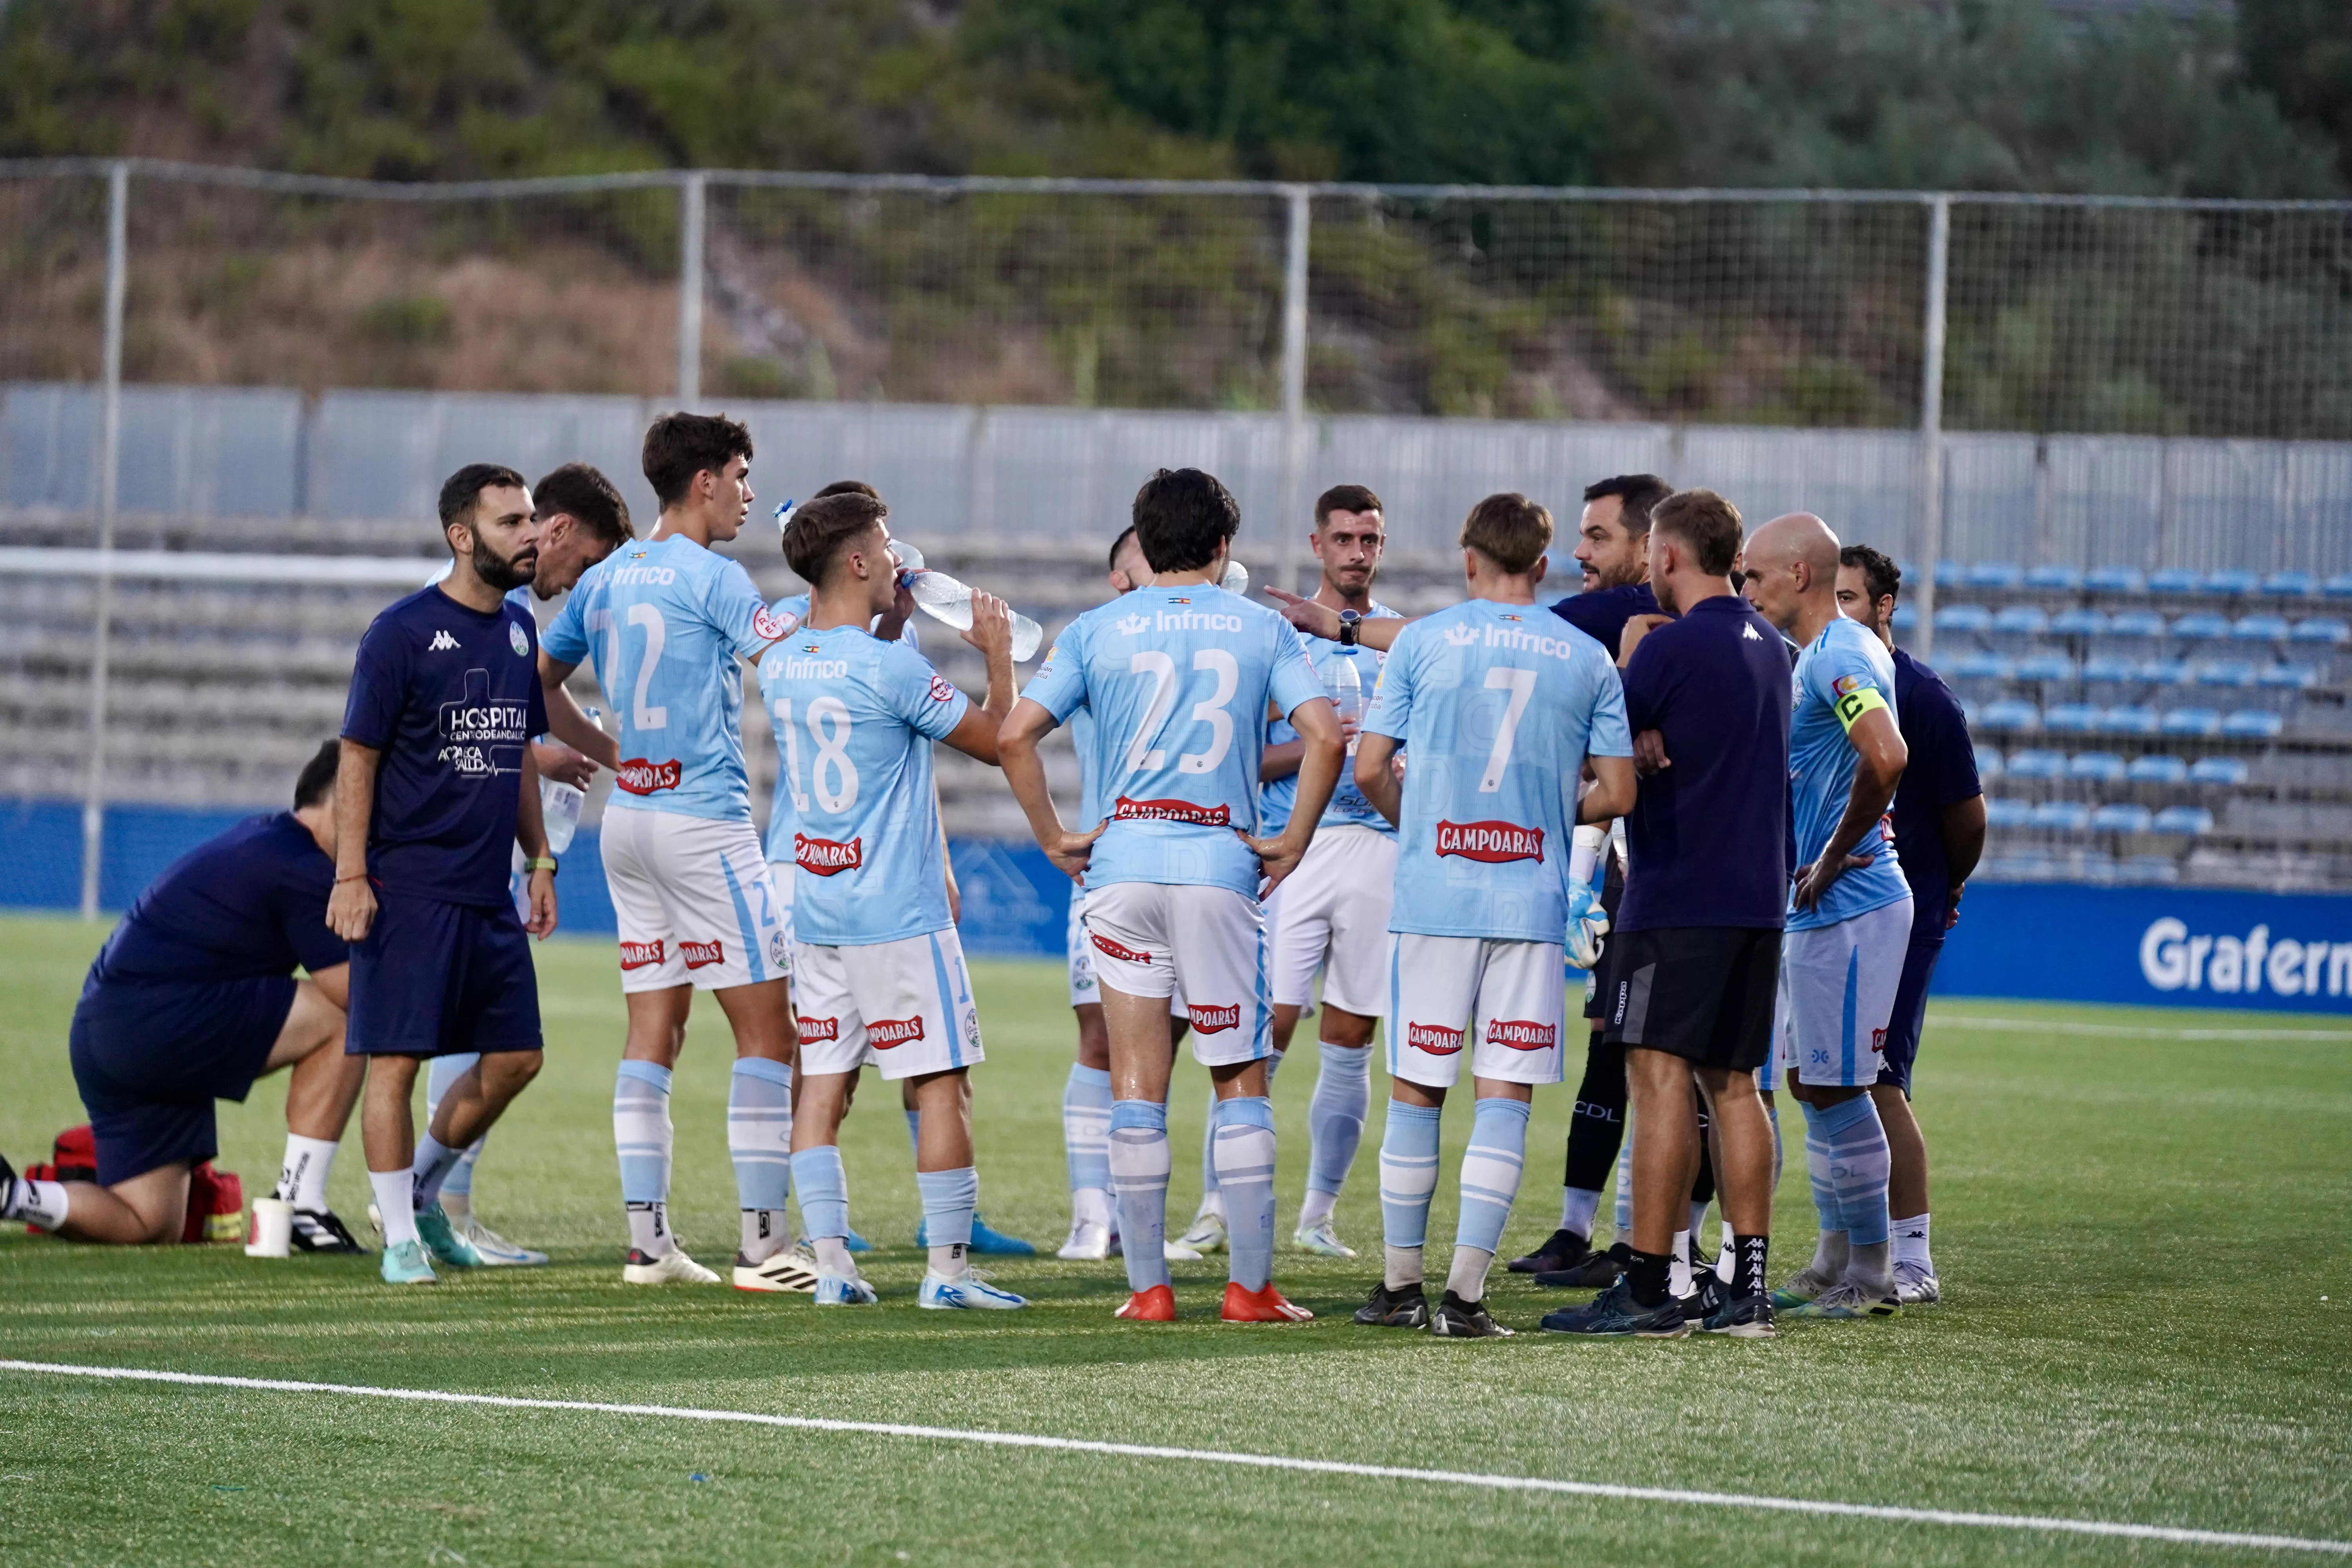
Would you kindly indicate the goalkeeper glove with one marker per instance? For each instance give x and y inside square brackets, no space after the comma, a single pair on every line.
[1587,924]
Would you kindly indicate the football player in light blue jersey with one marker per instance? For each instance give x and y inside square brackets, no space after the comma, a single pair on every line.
[1332,915]
[1497,706]
[1849,917]
[582,519]
[1177,676]
[664,622]
[881,973]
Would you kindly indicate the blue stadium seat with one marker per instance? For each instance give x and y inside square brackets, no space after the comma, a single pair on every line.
[1906,617]
[2130,719]
[2001,813]
[2321,629]
[2233,583]
[1951,574]
[2260,629]
[2235,673]
[2105,669]
[2253,724]
[1976,664]
[1962,619]
[2338,587]
[1989,765]
[2176,580]
[2066,816]
[2230,771]
[2290,585]
[2114,580]
[2148,869]
[2010,716]
[2096,767]
[2157,768]
[2290,677]
[2037,765]
[2072,719]
[2079,621]
[2165,671]
[2065,578]
[2187,819]
[2045,667]
[1996,574]
[2191,721]
[2135,624]
[2122,818]
[2022,621]
[2201,628]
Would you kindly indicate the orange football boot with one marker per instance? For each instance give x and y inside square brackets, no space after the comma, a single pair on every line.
[1157,1305]
[1263,1306]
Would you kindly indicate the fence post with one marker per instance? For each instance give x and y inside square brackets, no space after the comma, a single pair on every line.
[1931,423]
[689,289]
[1294,387]
[109,453]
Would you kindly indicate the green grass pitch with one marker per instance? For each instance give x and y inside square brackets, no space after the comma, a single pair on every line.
[2143,1241]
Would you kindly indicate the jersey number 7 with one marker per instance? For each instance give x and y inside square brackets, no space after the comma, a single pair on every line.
[1521,684]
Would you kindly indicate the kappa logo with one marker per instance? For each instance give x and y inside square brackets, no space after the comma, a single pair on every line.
[1128,810]
[882,1034]
[639,955]
[1461,637]
[1211,1019]
[1134,626]
[442,643]
[1748,632]
[640,777]
[701,954]
[820,1028]
[826,856]
[519,643]
[1522,1033]
[1434,1038]
[1492,842]
[1117,950]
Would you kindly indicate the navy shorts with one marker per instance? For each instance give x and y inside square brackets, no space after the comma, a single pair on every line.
[435,979]
[150,1059]
[1910,1014]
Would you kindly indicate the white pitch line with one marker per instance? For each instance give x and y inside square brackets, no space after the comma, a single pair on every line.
[1254,1462]
[2130,1031]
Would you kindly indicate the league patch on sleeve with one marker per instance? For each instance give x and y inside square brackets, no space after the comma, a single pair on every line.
[1844,685]
[940,690]
[1852,704]
[766,622]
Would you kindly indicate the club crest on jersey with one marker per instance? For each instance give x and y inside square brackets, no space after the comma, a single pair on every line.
[1522,1033]
[519,643]
[640,776]
[766,624]
[820,1028]
[639,954]
[1117,950]
[1434,1038]
[1492,842]
[701,954]
[884,1033]
[826,856]
[1461,637]
[1128,810]
[1211,1019]
[940,690]
[1134,626]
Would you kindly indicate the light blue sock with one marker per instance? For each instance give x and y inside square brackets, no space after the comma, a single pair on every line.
[949,1199]
[1857,1162]
[759,1141]
[824,1191]
[1625,1182]
[1408,1173]
[439,1075]
[1272,1065]
[1212,1199]
[1085,1128]
[1138,1174]
[915,1131]
[641,1132]
[1772,1115]
[1243,1130]
[1817,1171]
[1335,1116]
[1490,1172]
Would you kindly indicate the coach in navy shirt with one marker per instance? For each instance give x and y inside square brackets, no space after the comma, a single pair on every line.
[1698,935]
[191,999]
[438,784]
[1612,545]
[1939,833]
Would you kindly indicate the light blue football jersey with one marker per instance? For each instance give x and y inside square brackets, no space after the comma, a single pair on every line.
[664,621]
[1845,660]
[1348,808]
[793,608]
[1497,706]
[854,720]
[1178,681]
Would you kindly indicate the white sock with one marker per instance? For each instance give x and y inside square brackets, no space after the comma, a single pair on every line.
[832,1257]
[1697,1218]
[1402,1266]
[1316,1209]
[1727,1262]
[1468,1277]
[34,1203]
[649,1230]
[766,1232]
[946,1262]
[434,1160]
[1678,1270]
[1910,1238]
[1090,1205]
[303,1180]
[392,1207]
[1578,1209]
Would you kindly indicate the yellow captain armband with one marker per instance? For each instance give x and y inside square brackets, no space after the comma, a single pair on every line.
[1851,705]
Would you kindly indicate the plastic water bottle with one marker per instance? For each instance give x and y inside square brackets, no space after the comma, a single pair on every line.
[943,598]
[1347,688]
[559,808]
[1237,577]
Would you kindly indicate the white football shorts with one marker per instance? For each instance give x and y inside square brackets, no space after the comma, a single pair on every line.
[1205,945]
[1332,914]
[1505,1000]
[783,873]
[1082,988]
[694,902]
[905,1006]
[1838,986]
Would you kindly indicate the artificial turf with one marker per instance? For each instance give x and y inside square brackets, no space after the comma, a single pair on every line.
[2141,1240]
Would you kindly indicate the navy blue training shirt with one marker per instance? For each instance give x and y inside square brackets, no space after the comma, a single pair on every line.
[1707,837]
[1601,613]
[251,904]
[1942,772]
[450,696]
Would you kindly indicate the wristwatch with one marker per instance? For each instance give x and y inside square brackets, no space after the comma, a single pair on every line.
[1348,621]
[539,863]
